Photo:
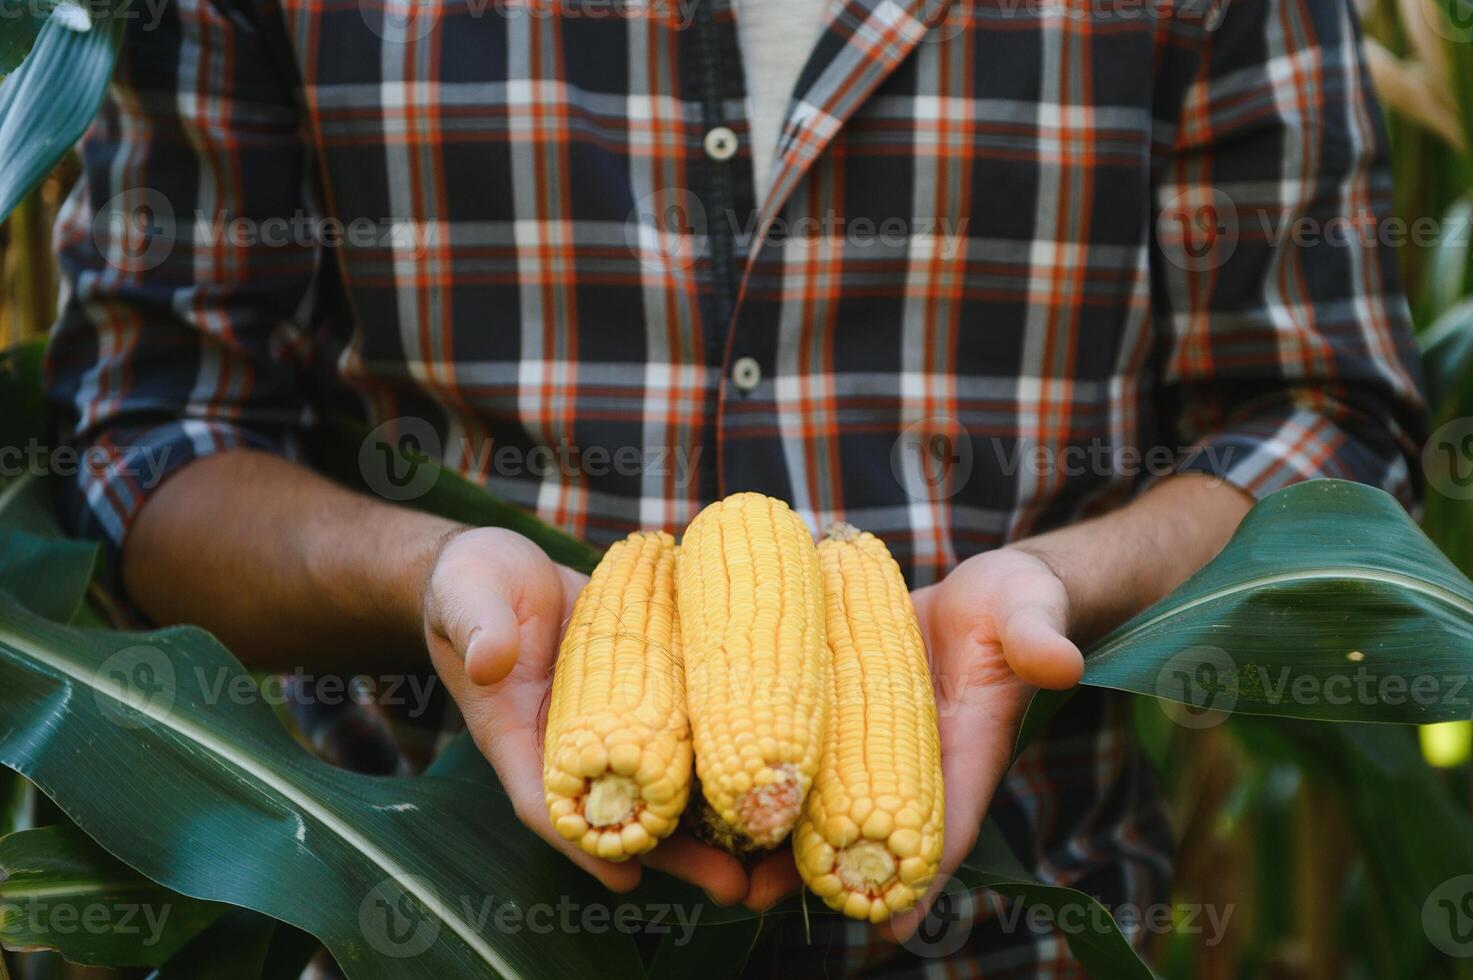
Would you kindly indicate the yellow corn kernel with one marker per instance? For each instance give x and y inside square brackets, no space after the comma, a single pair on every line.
[756,666]
[869,841]
[616,765]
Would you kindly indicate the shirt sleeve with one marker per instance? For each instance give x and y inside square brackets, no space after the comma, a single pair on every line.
[188,261]
[1286,346]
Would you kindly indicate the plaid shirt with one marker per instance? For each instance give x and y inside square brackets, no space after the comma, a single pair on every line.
[1016,257]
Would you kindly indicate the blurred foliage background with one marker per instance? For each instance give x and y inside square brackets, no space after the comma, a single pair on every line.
[1318,845]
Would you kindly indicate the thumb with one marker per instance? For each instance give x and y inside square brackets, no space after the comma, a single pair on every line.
[475,620]
[485,590]
[491,644]
[1031,632]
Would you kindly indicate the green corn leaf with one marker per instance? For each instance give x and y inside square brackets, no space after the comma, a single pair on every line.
[61,891]
[233,948]
[1327,603]
[1041,709]
[16,797]
[1447,355]
[47,103]
[23,417]
[715,952]
[1448,365]
[391,874]
[20,23]
[48,574]
[1446,278]
[241,945]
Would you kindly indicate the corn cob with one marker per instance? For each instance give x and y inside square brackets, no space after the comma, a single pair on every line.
[869,841]
[617,754]
[756,666]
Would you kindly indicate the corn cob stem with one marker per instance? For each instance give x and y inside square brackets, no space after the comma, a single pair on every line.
[617,753]
[611,800]
[869,841]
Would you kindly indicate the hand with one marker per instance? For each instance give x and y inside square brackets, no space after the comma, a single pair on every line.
[995,631]
[493,613]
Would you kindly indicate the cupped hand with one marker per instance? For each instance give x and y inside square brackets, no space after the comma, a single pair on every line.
[493,610]
[995,631]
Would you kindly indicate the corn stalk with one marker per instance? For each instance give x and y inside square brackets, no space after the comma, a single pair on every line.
[30,273]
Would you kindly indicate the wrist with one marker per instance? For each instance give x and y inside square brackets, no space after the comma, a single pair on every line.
[421,572]
[1117,564]
[1056,562]
[385,579]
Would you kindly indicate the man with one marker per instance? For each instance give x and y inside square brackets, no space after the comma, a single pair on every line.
[1031,291]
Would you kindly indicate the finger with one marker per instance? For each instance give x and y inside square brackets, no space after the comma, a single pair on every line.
[1034,644]
[616,876]
[720,875]
[901,927]
[573,583]
[970,775]
[517,763]
[773,879]
[491,644]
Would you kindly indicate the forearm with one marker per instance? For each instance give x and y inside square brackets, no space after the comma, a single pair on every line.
[1115,565]
[285,567]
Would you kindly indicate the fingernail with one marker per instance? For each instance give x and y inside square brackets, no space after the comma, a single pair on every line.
[714,900]
[470,639]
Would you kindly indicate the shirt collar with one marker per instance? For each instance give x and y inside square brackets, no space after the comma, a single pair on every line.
[862,42]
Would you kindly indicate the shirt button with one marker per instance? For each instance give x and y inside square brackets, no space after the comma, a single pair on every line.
[721,143]
[746,373]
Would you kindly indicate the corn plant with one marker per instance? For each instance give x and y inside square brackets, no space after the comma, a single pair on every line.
[263,853]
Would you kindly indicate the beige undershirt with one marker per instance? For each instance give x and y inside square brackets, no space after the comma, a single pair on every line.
[776,37]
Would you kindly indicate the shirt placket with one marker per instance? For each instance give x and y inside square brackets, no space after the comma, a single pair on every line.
[722,172]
